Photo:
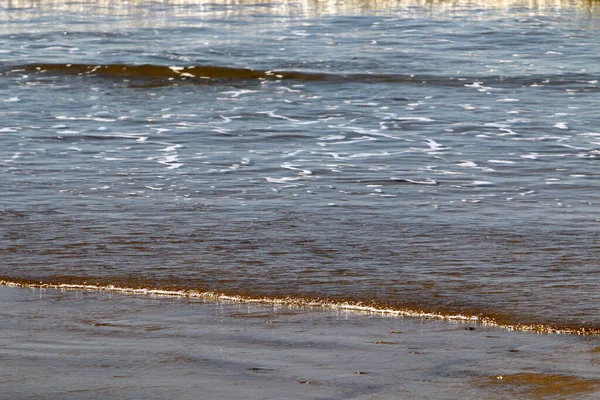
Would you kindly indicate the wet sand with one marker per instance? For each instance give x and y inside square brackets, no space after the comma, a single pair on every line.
[88,345]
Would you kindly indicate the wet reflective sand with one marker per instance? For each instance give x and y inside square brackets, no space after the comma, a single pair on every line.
[89,345]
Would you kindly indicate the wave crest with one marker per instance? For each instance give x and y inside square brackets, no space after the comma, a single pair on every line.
[164,75]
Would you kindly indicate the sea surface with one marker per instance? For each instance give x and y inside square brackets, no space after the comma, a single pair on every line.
[433,158]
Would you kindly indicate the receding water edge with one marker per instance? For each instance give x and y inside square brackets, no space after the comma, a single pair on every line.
[304,302]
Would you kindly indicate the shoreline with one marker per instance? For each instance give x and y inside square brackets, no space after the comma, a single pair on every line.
[308,303]
[82,344]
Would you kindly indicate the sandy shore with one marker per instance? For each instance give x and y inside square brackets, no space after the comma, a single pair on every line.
[90,345]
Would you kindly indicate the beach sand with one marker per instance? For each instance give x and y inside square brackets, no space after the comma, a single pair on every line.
[98,345]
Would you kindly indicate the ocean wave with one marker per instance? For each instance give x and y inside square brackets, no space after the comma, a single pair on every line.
[163,74]
[303,302]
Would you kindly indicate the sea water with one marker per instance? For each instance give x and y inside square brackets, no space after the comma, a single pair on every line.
[413,157]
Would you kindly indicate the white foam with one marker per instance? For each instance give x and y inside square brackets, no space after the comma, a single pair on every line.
[288,89]
[172,148]
[282,180]
[497,125]
[288,165]
[238,93]
[479,86]
[507,132]
[359,140]
[527,193]
[293,153]
[443,172]
[332,137]
[468,164]
[13,157]
[435,146]
[428,181]
[592,134]
[273,115]
[417,119]
[501,161]
[369,155]
[531,156]
[561,125]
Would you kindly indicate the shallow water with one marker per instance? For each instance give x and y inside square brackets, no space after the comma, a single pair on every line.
[436,157]
[111,346]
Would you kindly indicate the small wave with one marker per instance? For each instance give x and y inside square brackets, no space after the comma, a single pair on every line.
[301,302]
[161,72]
[164,75]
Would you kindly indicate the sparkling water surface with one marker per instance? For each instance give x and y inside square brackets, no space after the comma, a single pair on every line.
[435,156]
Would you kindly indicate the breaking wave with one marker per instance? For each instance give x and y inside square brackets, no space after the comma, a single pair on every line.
[303,302]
